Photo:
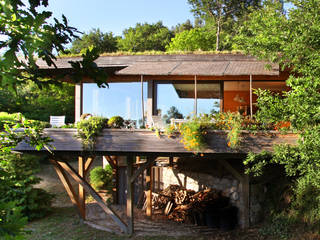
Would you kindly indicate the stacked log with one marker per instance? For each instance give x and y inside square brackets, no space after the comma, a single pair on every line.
[186,206]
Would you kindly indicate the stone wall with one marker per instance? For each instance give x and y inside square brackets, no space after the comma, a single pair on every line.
[196,181]
[229,185]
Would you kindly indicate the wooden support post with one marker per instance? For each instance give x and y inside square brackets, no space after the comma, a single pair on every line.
[246,201]
[82,194]
[67,167]
[130,191]
[149,183]
[222,96]
[112,160]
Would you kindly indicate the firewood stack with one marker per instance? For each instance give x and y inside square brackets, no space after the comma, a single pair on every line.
[187,206]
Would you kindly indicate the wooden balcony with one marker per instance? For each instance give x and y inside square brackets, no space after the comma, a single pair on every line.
[145,142]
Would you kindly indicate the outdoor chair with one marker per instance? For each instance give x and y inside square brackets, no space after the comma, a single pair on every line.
[57,121]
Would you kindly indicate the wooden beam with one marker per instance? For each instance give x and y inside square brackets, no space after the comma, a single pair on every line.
[130,196]
[149,183]
[144,166]
[88,165]
[111,161]
[82,193]
[67,167]
[233,171]
[67,185]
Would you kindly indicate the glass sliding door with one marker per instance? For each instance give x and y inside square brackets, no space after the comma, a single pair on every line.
[176,99]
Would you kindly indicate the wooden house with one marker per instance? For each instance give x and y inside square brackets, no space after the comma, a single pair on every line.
[226,80]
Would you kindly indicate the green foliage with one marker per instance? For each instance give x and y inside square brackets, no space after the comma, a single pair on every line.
[89,129]
[20,174]
[116,122]
[39,104]
[101,178]
[12,221]
[180,27]
[104,42]
[145,37]
[279,226]
[193,39]
[295,47]
[192,133]
[30,34]
[223,15]
[173,112]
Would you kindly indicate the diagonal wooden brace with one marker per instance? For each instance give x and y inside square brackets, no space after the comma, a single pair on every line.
[67,185]
[66,166]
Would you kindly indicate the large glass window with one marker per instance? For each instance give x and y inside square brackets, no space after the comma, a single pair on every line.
[123,99]
[177,99]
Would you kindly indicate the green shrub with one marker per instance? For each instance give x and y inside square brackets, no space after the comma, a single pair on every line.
[116,122]
[12,221]
[17,180]
[278,226]
[101,178]
[307,198]
[11,119]
[89,129]
[7,118]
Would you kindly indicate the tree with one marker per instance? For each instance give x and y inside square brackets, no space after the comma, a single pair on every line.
[145,37]
[291,40]
[192,40]
[180,27]
[39,104]
[173,112]
[28,35]
[104,42]
[221,11]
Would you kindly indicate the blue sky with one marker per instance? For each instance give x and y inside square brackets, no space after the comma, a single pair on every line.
[115,16]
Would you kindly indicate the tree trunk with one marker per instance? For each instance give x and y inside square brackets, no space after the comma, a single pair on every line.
[218,35]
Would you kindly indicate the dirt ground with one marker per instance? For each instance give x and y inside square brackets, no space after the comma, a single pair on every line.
[65,224]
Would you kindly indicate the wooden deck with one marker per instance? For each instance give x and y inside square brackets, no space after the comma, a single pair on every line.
[122,141]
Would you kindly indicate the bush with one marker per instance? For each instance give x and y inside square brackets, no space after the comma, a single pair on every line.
[13,118]
[7,118]
[17,180]
[116,122]
[89,129]
[12,221]
[101,178]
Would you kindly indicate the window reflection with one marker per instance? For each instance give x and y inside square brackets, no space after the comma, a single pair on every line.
[177,100]
[122,99]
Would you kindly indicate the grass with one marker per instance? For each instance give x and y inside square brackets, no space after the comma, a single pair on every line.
[124,53]
[64,224]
